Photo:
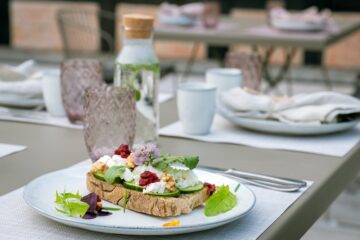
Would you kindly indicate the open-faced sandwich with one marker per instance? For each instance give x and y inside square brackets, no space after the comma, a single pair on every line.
[146,181]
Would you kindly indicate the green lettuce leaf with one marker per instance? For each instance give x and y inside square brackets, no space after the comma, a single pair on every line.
[77,207]
[164,161]
[221,201]
[114,173]
[70,204]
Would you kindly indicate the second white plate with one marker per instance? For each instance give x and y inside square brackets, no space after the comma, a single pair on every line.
[297,25]
[12,100]
[271,126]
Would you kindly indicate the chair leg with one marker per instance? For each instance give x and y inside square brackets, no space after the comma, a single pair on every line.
[289,79]
[357,87]
[289,83]
[190,61]
[273,81]
[326,78]
[325,74]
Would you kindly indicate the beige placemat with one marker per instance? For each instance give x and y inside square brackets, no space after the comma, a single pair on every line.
[223,131]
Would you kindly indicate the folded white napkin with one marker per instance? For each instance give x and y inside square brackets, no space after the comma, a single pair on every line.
[21,80]
[245,103]
[313,108]
[7,149]
[309,15]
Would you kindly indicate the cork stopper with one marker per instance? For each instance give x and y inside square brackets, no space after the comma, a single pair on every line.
[138,25]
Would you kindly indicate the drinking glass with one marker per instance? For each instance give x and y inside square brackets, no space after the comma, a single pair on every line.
[76,76]
[110,119]
[196,106]
[224,78]
[211,14]
[52,93]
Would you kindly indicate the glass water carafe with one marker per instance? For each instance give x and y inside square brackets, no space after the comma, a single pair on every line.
[137,67]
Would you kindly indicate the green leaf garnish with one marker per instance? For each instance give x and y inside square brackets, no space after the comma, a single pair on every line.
[114,173]
[237,187]
[221,201]
[70,204]
[60,211]
[165,160]
[77,208]
[135,71]
[125,200]
[137,95]
[111,208]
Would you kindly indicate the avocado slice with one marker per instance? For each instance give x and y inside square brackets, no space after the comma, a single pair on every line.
[99,175]
[192,189]
[131,185]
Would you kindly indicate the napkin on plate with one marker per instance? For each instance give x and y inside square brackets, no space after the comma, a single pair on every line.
[22,80]
[313,108]
[309,15]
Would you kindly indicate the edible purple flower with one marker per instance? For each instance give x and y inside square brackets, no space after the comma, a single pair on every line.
[145,153]
[89,215]
[92,200]
[153,150]
[140,155]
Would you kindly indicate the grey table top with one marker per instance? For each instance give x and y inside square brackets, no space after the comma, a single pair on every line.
[52,148]
[242,30]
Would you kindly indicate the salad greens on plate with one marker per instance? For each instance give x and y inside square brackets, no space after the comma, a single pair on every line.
[221,201]
[87,207]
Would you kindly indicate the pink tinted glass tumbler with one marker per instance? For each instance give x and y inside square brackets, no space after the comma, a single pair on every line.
[76,76]
[110,118]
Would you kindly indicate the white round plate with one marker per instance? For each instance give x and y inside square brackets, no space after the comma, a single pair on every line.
[176,20]
[296,25]
[39,194]
[272,126]
[12,100]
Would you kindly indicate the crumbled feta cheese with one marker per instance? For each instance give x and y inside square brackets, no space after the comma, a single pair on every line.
[104,159]
[128,175]
[116,160]
[185,179]
[157,187]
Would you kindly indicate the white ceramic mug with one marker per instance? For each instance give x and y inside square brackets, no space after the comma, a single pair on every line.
[224,78]
[196,106]
[52,93]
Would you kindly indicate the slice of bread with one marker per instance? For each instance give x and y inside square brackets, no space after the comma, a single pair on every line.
[144,203]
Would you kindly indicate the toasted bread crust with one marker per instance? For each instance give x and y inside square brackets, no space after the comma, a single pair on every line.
[139,202]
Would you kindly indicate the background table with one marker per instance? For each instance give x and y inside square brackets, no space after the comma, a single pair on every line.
[242,30]
[236,31]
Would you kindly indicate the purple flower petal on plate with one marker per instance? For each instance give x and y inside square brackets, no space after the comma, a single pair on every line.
[153,150]
[90,199]
[103,213]
[89,215]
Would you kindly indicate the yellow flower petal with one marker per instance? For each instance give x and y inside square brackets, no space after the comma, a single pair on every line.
[172,223]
